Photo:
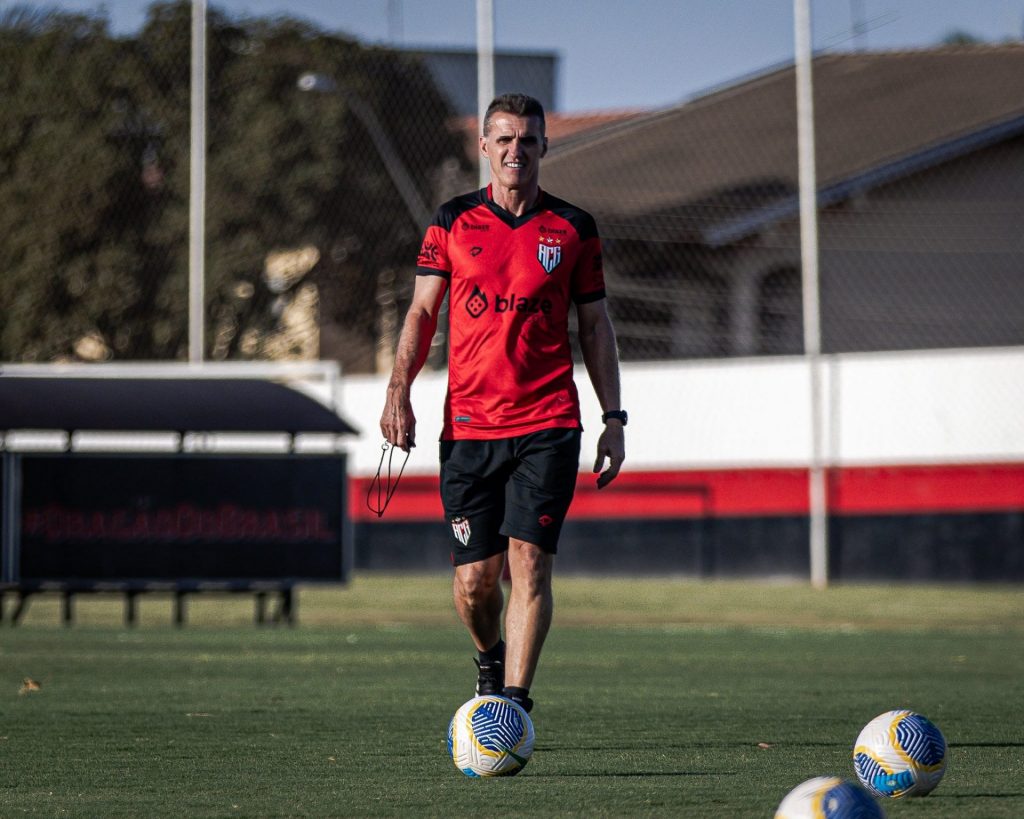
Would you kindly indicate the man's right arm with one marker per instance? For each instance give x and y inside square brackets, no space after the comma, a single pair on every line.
[398,423]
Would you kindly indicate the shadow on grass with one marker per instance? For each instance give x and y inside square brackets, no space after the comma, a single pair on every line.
[635,774]
[986,745]
[683,746]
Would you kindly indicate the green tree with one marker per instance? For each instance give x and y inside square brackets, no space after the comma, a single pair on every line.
[74,221]
[959,37]
[94,181]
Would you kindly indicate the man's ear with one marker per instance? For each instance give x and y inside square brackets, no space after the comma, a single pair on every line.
[544,149]
[483,145]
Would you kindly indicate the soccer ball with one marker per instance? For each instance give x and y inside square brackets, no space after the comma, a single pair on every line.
[828,797]
[900,753]
[490,736]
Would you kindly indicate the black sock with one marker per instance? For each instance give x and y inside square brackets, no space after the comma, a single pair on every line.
[494,654]
[516,694]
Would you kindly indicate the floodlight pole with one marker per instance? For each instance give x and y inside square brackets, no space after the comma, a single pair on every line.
[817,499]
[197,188]
[484,74]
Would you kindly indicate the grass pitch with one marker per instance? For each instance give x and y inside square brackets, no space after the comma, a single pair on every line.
[655,698]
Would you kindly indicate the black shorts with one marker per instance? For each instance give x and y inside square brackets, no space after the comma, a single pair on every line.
[513,487]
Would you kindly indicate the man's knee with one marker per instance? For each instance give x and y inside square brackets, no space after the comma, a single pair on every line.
[477,581]
[531,565]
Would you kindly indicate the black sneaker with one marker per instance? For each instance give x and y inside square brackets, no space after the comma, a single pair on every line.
[490,679]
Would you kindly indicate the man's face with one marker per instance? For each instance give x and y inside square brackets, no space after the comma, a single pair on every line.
[514,146]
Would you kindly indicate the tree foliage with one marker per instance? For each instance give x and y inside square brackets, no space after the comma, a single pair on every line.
[960,37]
[94,181]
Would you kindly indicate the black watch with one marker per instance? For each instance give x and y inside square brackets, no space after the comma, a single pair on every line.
[618,415]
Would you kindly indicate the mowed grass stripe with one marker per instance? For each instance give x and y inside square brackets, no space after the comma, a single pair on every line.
[385,599]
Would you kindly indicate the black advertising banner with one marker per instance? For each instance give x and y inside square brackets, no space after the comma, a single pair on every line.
[8,520]
[182,518]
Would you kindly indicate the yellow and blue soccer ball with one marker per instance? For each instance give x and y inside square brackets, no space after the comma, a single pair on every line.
[900,753]
[490,736]
[828,797]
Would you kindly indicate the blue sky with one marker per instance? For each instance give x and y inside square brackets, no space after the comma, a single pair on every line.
[620,54]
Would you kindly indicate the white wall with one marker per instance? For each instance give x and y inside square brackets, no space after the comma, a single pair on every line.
[916,407]
[927,407]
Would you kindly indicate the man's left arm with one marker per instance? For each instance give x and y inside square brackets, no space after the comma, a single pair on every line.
[601,358]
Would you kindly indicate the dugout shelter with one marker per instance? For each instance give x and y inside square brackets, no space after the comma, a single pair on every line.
[170,479]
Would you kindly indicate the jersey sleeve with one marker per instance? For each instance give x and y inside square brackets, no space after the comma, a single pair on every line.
[433,259]
[588,276]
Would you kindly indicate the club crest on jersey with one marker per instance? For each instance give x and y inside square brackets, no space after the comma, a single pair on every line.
[460,526]
[549,253]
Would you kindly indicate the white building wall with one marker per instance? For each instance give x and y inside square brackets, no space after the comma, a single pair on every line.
[910,408]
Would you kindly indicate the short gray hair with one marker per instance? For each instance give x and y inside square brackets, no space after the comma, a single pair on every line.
[521,105]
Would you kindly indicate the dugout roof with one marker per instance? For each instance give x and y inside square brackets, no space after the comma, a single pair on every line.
[162,404]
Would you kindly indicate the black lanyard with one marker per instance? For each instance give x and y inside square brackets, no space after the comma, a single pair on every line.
[385,489]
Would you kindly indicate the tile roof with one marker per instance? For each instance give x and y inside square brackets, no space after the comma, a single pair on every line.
[686,170]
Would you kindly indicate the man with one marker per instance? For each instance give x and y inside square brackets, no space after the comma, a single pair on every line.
[514,259]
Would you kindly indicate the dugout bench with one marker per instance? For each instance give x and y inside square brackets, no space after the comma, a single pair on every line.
[179,523]
[274,603]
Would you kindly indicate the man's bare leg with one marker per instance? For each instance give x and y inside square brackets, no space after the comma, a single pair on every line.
[530,607]
[479,599]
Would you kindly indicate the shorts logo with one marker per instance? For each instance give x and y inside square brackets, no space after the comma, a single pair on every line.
[549,254]
[545,520]
[476,304]
[460,526]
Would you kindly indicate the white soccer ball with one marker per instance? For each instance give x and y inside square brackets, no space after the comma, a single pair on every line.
[490,736]
[900,753]
[828,797]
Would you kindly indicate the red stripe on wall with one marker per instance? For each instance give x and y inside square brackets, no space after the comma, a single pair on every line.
[949,488]
[746,492]
[693,494]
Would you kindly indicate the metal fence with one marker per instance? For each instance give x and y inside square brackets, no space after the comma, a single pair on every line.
[324,157]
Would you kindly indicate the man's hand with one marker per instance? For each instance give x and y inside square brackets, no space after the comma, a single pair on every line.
[610,445]
[397,422]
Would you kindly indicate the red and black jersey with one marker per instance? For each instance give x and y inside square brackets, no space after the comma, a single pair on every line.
[511,282]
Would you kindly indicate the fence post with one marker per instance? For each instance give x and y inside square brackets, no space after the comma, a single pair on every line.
[817,500]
